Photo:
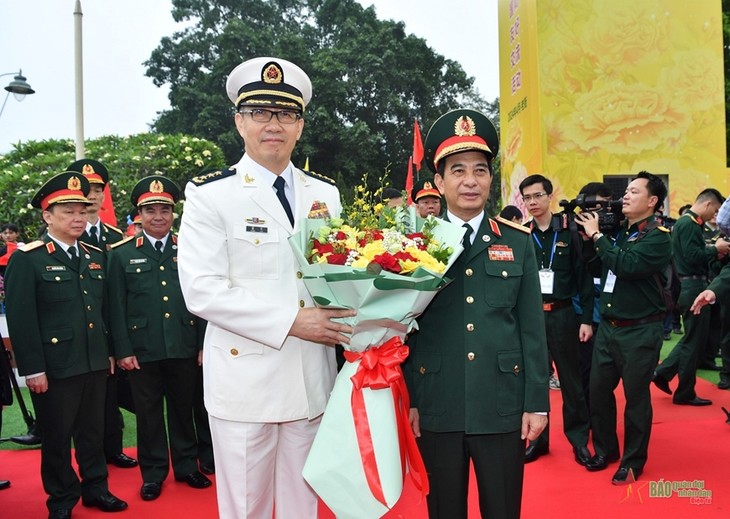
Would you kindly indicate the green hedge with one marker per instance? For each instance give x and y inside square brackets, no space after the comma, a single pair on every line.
[29,165]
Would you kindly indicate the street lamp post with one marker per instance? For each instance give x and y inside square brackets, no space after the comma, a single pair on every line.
[19,87]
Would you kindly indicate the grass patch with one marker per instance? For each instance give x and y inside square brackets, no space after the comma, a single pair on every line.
[13,424]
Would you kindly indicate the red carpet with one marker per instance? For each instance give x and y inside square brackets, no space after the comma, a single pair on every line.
[688,444]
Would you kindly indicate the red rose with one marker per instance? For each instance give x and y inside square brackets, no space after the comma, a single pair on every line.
[337,259]
[388,262]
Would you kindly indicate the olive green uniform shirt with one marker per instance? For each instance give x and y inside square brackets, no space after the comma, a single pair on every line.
[635,258]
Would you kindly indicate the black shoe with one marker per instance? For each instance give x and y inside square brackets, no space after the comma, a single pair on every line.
[723,384]
[582,455]
[4,484]
[536,449]
[106,503]
[27,439]
[122,461]
[625,476]
[696,401]
[195,480]
[599,462]
[661,383]
[61,513]
[207,468]
[678,331]
[667,336]
[151,491]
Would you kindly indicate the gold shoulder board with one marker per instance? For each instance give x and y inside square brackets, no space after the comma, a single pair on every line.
[117,244]
[512,224]
[212,176]
[31,246]
[317,176]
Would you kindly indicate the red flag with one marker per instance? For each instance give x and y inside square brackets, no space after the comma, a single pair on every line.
[409,179]
[417,156]
[106,213]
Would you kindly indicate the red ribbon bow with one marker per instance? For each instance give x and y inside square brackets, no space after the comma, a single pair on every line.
[380,369]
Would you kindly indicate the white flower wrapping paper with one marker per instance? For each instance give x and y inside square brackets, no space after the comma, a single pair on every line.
[364,446]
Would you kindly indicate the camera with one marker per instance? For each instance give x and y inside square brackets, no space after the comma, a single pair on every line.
[608,211]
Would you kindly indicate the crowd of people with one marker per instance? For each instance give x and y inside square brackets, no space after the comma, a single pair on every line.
[223,333]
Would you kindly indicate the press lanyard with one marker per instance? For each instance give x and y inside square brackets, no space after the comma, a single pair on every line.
[552,252]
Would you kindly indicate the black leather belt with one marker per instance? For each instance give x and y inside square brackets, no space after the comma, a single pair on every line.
[696,276]
[618,323]
[549,306]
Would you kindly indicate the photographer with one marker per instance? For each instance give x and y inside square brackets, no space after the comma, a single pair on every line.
[562,276]
[594,196]
[630,335]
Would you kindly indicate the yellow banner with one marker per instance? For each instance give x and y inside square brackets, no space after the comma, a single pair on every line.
[592,90]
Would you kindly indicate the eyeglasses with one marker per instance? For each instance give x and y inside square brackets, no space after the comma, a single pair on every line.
[536,197]
[261,115]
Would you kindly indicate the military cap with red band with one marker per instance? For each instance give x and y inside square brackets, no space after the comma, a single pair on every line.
[423,188]
[458,131]
[269,82]
[155,189]
[93,170]
[65,188]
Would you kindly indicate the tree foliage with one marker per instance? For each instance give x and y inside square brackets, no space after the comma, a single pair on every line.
[370,79]
[25,169]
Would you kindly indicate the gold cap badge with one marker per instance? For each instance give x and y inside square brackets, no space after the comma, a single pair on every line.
[272,74]
[464,126]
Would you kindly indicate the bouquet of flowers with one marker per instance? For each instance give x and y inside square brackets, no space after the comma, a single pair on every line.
[364,446]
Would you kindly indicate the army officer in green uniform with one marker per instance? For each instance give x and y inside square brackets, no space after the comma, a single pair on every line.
[156,340]
[631,332]
[103,235]
[477,371]
[56,300]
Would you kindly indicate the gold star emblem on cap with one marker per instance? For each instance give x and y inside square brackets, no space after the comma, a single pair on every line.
[74,184]
[156,187]
[464,126]
[272,74]
[88,169]
[427,185]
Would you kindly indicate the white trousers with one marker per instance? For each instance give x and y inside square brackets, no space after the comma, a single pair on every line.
[259,466]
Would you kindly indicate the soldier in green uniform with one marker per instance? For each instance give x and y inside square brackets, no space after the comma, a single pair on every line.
[477,372]
[563,274]
[692,257]
[103,235]
[631,332]
[56,298]
[718,290]
[156,340]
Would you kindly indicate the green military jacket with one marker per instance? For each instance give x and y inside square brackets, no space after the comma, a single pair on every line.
[149,318]
[692,256]
[56,310]
[109,236]
[635,258]
[479,358]
[560,252]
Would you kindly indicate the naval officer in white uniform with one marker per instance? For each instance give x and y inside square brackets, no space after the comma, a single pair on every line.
[269,361]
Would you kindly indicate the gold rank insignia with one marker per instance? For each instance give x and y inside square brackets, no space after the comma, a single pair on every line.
[248,179]
[74,184]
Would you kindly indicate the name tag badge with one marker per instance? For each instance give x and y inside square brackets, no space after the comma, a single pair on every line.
[610,282]
[547,281]
[136,261]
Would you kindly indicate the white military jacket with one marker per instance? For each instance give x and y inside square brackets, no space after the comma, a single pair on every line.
[238,272]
